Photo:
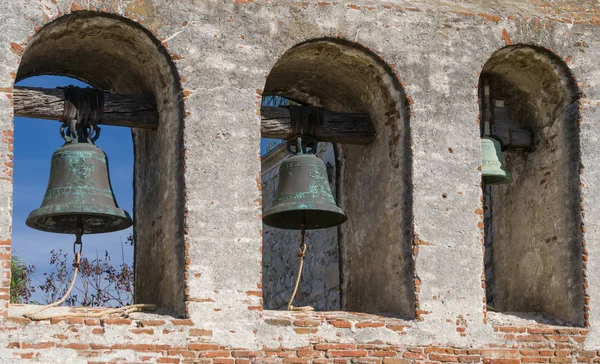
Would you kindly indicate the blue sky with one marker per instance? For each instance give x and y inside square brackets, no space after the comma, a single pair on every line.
[35,141]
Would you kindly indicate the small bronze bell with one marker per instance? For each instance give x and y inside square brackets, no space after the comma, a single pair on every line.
[303,198]
[492,168]
[79,198]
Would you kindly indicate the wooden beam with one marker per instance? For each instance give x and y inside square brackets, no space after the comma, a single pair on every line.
[338,127]
[139,111]
[134,111]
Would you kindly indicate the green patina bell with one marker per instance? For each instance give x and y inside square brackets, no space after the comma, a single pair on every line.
[492,168]
[79,198]
[303,198]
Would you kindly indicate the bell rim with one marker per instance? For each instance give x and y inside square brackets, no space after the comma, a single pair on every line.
[339,214]
[125,220]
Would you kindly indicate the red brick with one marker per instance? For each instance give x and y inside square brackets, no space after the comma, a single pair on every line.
[557,338]
[348,353]
[19,320]
[309,353]
[184,322]
[528,352]
[364,325]
[530,338]
[307,323]
[586,353]
[44,345]
[439,350]
[75,346]
[99,346]
[534,359]
[341,324]
[562,352]
[56,320]
[382,353]
[92,322]
[214,353]
[395,361]
[75,320]
[223,361]
[305,330]
[561,359]
[296,360]
[117,321]
[167,360]
[510,329]
[334,346]
[141,331]
[541,331]
[414,356]
[183,353]
[244,354]
[98,331]
[203,346]
[469,358]
[443,358]
[502,361]
[398,327]
[200,332]
[546,352]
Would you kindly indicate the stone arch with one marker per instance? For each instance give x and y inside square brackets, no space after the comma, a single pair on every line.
[373,181]
[118,55]
[533,225]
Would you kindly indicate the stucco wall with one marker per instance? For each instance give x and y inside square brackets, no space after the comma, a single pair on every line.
[223,52]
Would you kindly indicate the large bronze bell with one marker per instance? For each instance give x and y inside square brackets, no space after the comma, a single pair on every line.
[303,199]
[79,198]
[492,164]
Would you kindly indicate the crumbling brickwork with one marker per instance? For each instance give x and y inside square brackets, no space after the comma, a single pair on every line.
[207,64]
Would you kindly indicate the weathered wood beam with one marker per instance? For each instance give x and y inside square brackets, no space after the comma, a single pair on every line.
[135,111]
[338,127]
[139,111]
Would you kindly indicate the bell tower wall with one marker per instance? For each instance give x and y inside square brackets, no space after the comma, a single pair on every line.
[533,225]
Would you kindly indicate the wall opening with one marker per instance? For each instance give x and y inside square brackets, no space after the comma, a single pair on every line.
[118,55]
[533,238]
[372,184]
[35,141]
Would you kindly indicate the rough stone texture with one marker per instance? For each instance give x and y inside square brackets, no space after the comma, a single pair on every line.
[223,52]
[535,222]
[320,284]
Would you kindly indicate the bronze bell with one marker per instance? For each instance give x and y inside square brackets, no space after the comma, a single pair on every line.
[303,199]
[79,198]
[492,163]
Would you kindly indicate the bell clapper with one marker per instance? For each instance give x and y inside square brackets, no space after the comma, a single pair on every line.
[302,255]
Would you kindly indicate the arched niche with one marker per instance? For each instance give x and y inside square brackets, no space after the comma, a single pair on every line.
[373,181]
[533,225]
[118,55]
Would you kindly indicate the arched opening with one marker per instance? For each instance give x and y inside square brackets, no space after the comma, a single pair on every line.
[366,263]
[533,237]
[118,55]
[35,142]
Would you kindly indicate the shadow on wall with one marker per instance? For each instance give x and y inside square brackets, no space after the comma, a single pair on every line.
[118,55]
[375,264]
[533,225]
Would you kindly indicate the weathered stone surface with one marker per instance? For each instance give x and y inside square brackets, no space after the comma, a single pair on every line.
[198,184]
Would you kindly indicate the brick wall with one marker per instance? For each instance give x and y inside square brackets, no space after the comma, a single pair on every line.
[152,338]
[223,52]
